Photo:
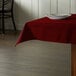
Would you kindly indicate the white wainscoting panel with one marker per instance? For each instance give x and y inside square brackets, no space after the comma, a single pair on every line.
[73,6]
[44,8]
[63,6]
[35,8]
[54,9]
[26,10]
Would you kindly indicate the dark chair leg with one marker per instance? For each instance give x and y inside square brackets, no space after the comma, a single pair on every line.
[13,21]
[3,28]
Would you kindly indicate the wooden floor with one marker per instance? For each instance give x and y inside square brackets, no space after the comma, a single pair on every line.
[9,40]
[7,53]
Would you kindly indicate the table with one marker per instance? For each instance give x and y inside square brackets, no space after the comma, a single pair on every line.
[45,29]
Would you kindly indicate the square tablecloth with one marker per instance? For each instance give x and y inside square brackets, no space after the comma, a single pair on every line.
[46,29]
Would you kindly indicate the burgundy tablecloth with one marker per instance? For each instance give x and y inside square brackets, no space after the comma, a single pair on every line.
[46,29]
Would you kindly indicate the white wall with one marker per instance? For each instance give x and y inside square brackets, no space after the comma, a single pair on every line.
[73,6]
[26,10]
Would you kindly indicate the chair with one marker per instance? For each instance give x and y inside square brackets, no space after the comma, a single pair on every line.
[6,11]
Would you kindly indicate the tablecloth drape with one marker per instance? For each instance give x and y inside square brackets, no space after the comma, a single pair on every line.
[46,29]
